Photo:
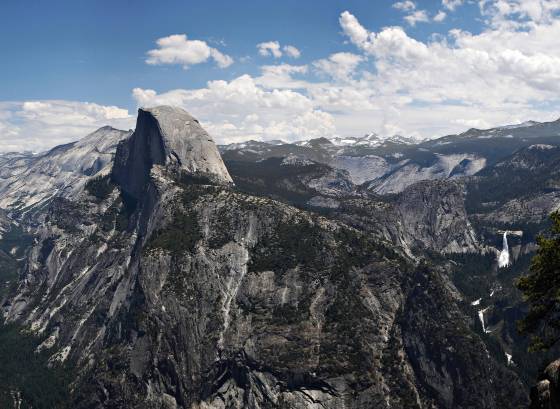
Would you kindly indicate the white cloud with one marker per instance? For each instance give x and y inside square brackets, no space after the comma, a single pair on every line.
[418,16]
[414,16]
[242,109]
[492,76]
[519,13]
[291,51]
[273,48]
[394,83]
[178,49]
[340,66]
[440,16]
[451,4]
[353,29]
[492,67]
[270,48]
[40,125]
[282,76]
[406,5]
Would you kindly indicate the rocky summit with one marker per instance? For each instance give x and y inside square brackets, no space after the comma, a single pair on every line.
[168,137]
[168,278]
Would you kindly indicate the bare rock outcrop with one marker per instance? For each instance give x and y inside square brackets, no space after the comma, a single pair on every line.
[546,393]
[171,137]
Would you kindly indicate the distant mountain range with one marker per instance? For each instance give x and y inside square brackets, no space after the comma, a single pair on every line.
[388,165]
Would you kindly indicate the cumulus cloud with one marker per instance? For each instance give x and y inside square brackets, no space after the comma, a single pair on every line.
[354,30]
[273,48]
[291,51]
[340,66]
[451,4]
[270,48]
[414,16]
[431,88]
[283,76]
[392,83]
[519,13]
[418,16]
[242,109]
[406,5]
[493,67]
[40,125]
[178,49]
[440,16]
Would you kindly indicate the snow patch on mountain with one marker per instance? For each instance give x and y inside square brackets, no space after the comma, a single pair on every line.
[521,125]
[541,146]
[373,140]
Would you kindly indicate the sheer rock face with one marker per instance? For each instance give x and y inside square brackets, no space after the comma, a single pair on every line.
[434,217]
[170,137]
[429,215]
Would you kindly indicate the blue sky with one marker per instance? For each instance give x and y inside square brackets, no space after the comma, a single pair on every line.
[95,50]
[422,68]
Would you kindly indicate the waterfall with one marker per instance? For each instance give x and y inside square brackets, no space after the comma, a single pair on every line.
[503,258]
[481,318]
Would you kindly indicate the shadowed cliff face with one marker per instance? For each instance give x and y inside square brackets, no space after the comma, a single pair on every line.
[169,137]
[196,295]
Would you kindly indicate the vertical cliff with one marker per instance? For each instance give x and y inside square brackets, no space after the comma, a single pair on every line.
[169,137]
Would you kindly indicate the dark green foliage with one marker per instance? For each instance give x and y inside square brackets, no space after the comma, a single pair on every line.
[286,314]
[349,324]
[100,187]
[291,243]
[541,290]
[433,329]
[472,273]
[180,235]
[527,172]
[475,275]
[356,249]
[268,178]
[23,370]
[15,238]
[65,214]
[222,230]
[8,272]
[185,178]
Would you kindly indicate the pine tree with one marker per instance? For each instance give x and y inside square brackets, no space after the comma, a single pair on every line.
[541,290]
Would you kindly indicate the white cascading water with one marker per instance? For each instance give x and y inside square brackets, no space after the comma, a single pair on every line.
[503,258]
[481,318]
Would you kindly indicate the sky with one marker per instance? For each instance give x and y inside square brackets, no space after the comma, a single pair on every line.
[263,70]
